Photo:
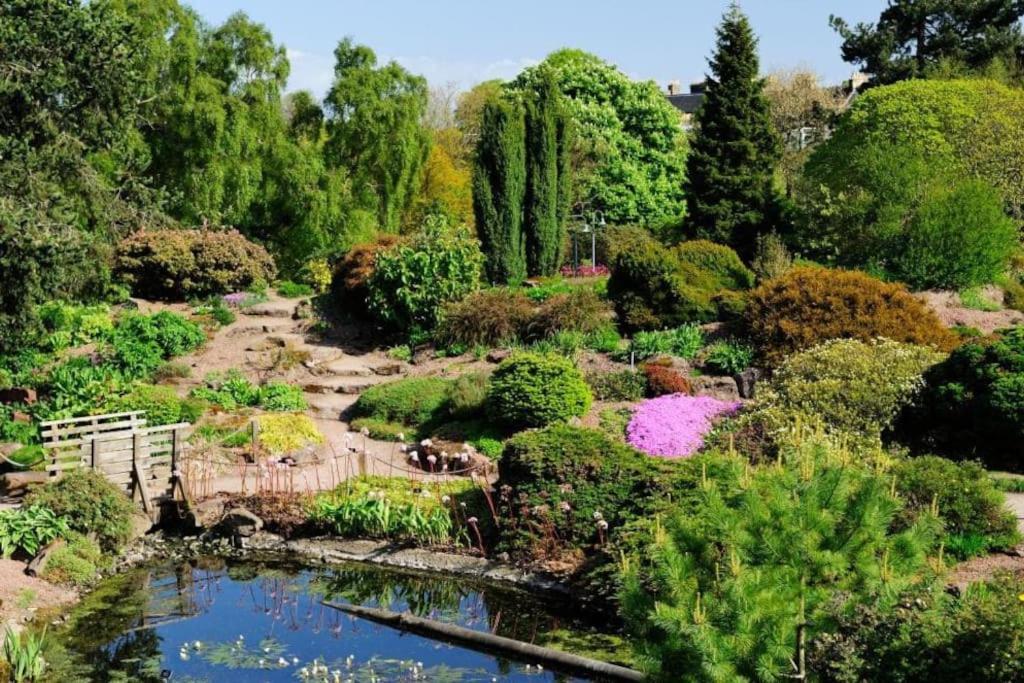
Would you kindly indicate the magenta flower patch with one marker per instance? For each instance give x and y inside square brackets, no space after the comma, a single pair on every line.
[235,298]
[674,426]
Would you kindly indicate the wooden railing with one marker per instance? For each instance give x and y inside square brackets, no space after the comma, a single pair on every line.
[143,460]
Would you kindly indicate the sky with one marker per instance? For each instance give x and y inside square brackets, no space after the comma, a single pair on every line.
[465,42]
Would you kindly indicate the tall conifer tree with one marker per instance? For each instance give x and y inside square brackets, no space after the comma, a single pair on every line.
[547,177]
[730,187]
[499,190]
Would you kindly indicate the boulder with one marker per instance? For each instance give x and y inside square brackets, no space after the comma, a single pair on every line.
[240,522]
[387,369]
[722,388]
[17,484]
[141,525]
[23,395]
[498,355]
[746,382]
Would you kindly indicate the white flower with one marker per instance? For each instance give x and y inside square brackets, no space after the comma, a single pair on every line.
[564,506]
[431,459]
[445,499]
[426,443]
[364,431]
[403,448]
[401,436]
[472,520]
[598,515]
[602,525]
[414,456]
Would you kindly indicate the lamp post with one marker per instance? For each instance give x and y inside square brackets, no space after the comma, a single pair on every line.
[587,227]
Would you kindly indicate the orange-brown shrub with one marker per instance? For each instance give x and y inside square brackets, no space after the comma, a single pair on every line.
[663,380]
[809,305]
[181,264]
[489,317]
[580,310]
[355,268]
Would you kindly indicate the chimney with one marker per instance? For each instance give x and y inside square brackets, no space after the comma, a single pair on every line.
[674,88]
[698,87]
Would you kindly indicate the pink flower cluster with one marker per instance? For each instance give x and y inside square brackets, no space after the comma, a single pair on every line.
[235,298]
[674,426]
[584,271]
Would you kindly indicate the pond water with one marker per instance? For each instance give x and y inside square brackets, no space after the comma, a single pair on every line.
[217,620]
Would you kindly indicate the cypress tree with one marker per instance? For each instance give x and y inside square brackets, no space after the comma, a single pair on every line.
[548,179]
[731,196]
[499,190]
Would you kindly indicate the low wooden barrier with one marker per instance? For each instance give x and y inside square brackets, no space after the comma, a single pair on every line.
[145,461]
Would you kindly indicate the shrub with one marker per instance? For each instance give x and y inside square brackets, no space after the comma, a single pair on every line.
[66,325]
[381,429]
[29,529]
[231,390]
[140,343]
[293,290]
[184,264]
[810,305]
[580,310]
[604,339]
[620,385]
[490,317]
[558,481]
[728,358]
[720,261]
[851,387]
[75,563]
[413,401]
[771,257]
[467,395]
[662,380]
[967,500]
[533,390]
[162,405]
[286,433]
[90,503]
[280,397]
[753,551]
[674,426]
[652,289]
[349,284]
[928,635]
[973,402]
[412,282]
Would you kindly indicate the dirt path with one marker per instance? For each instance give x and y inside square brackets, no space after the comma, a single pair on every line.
[270,341]
[21,596]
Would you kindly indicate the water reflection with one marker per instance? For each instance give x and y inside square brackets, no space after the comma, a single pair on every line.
[264,621]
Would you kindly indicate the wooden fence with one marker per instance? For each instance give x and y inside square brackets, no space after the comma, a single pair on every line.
[143,460]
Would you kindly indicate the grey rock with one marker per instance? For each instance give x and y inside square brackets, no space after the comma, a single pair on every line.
[240,522]
[746,382]
[722,388]
[497,355]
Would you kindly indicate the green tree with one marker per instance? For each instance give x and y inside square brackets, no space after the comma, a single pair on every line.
[375,132]
[305,116]
[731,197]
[628,153]
[548,185]
[499,189]
[753,552]
[913,37]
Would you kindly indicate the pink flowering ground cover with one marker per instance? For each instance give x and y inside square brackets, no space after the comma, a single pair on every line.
[674,426]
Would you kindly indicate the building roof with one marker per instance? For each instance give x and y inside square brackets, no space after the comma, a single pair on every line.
[688,102]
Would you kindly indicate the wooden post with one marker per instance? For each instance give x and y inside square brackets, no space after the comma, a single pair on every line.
[140,483]
[361,460]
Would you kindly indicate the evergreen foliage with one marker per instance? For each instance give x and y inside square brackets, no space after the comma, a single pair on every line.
[755,552]
[731,197]
[548,186]
[499,189]
[912,38]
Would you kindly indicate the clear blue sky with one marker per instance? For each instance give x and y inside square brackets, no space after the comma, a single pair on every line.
[468,41]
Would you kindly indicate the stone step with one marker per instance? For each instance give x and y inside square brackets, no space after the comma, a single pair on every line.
[339,385]
[330,406]
[272,309]
[341,367]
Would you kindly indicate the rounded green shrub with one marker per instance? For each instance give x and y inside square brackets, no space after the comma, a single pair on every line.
[413,401]
[973,403]
[534,390]
[183,264]
[467,394]
[162,404]
[90,503]
[851,386]
[810,305]
[720,261]
[971,507]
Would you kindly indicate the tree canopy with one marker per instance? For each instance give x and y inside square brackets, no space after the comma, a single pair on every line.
[629,151]
[913,36]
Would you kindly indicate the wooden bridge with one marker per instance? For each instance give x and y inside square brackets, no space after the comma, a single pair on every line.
[144,460]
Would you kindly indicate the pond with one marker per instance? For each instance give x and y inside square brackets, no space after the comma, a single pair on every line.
[220,620]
